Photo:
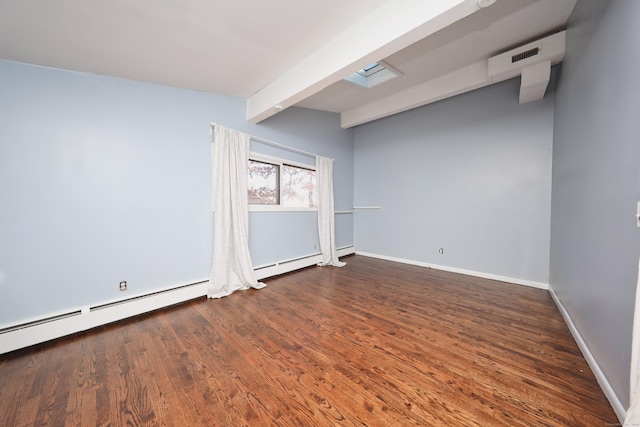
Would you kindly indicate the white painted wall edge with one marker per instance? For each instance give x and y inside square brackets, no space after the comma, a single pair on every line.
[608,391]
[499,278]
[88,317]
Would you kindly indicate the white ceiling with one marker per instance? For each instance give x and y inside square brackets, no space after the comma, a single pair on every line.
[274,53]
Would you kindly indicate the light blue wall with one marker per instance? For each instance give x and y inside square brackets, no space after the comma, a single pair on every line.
[471,175]
[103,180]
[595,243]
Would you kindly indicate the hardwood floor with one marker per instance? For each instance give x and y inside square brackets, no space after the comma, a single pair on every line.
[375,343]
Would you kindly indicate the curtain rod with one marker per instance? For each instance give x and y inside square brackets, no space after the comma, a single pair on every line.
[275,144]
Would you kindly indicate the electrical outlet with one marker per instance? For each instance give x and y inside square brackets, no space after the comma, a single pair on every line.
[441,251]
[315,247]
[638,215]
[123,285]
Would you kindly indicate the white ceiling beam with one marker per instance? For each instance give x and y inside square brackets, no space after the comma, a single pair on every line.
[391,27]
[463,80]
[535,71]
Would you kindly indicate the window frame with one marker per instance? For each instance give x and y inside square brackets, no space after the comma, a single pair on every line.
[264,158]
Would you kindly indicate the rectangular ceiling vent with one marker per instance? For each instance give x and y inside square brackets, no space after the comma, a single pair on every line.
[510,64]
[524,55]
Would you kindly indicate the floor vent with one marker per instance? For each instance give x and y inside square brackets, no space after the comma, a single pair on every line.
[524,55]
[40,321]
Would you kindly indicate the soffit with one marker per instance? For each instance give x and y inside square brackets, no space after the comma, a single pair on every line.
[490,31]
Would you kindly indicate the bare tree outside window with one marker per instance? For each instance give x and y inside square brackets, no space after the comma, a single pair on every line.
[263,183]
[274,182]
[298,187]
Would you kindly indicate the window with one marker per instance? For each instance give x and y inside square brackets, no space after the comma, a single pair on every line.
[277,184]
[263,183]
[298,187]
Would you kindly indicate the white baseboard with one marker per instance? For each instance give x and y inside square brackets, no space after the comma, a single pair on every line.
[55,325]
[287,266]
[608,391]
[35,331]
[507,279]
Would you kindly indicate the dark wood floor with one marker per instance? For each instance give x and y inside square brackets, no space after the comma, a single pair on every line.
[374,343]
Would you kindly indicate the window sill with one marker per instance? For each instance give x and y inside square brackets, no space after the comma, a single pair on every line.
[278,208]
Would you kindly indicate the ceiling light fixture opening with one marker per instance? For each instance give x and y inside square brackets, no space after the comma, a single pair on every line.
[373,75]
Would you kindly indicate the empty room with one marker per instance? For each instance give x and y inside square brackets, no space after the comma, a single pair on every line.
[294,213]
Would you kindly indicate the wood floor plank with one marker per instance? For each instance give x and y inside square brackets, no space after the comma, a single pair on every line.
[374,343]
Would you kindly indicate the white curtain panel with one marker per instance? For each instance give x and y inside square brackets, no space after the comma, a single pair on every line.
[231,268]
[633,414]
[326,219]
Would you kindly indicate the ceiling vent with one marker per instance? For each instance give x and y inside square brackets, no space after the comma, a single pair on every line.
[510,64]
[532,62]
[524,55]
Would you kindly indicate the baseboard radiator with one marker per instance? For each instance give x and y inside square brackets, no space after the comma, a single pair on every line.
[293,264]
[56,325]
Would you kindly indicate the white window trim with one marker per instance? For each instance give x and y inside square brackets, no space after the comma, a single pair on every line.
[278,161]
[279,208]
[259,157]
